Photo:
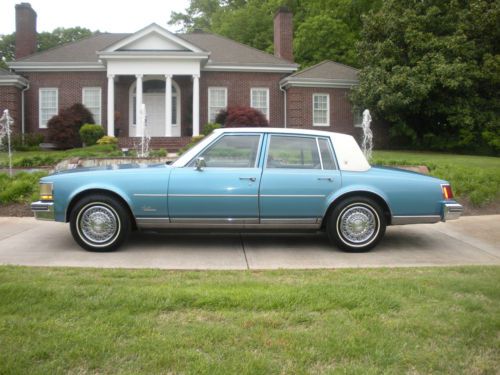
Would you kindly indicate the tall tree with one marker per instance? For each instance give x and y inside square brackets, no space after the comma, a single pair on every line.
[45,40]
[431,68]
[324,29]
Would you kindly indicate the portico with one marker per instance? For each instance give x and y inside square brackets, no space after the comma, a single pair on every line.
[154,57]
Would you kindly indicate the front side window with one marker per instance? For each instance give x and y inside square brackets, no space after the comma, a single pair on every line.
[260,100]
[321,109]
[48,105]
[232,151]
[217,101]
[91,98]
[293,153]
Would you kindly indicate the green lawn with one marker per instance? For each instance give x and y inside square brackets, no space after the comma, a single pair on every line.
[362,321]
[476,178]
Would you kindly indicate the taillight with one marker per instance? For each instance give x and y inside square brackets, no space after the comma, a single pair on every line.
[447,193]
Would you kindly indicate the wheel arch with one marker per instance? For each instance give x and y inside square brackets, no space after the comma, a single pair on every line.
[87,192]
[359,193]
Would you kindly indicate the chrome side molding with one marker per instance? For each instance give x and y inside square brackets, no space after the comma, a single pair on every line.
[403,220]
[227,223]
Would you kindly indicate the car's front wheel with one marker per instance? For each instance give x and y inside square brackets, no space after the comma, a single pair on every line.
[356,224]
[99,223]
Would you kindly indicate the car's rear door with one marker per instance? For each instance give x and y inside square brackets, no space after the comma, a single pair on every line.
[299,173]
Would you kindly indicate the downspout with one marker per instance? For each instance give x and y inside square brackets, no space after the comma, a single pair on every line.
[23,126]
[284,104]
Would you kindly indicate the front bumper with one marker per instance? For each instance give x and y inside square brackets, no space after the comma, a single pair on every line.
[451,211]
[43,210]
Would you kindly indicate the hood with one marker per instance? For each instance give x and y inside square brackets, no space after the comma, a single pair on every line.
[114,167]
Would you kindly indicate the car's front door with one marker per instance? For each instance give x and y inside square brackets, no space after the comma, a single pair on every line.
[300,172]
[222,191]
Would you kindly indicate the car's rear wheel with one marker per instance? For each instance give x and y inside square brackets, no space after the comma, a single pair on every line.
[356,224]
[99,223]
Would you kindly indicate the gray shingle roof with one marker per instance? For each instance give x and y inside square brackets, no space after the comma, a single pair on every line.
[222,50]
[226,51]
[83,50]
[328,70]
[6,73]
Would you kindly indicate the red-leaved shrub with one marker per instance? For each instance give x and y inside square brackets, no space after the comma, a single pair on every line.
[63,129]
[244,116]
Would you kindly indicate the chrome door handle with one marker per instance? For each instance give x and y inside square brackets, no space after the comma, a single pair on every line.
[325,179]
[248,178]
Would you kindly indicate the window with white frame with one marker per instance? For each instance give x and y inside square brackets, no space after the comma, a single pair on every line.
[217,101]
[321,109]
[357,117]
[260,100]
[91,98]
[48,105]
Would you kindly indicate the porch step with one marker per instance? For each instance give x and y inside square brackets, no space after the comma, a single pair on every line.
[172,144]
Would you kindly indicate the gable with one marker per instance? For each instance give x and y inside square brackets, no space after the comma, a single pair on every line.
[153,38]
[153,42]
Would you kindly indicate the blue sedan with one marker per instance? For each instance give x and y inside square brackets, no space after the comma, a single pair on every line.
[248,179]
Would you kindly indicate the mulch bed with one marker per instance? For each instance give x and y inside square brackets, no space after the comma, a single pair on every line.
[19,210]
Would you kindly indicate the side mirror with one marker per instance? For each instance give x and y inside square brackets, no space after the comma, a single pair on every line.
[200,164]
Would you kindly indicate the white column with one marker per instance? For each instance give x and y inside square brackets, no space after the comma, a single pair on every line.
[196,105]
[168,105]
[111,105]
[138,105]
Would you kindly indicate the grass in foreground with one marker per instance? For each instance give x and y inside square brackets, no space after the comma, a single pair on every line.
[364,321]
[476,178]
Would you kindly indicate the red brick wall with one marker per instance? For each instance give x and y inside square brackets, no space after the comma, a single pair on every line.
[10,98]
[70,85]
[300,115]
[238,92]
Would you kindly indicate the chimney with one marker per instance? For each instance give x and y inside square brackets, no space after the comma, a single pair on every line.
[283,34]
[25,30]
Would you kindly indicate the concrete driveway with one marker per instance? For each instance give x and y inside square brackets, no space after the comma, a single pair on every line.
[469,240]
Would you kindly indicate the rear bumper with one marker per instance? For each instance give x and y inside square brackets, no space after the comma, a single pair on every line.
[43,210]
[451,211]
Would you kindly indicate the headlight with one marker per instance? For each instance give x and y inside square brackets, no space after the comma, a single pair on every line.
[46,191]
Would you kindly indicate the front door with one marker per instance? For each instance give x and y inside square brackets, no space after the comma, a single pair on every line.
[225,190]
[155,114]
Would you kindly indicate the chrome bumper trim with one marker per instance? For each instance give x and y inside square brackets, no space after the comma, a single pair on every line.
[403,220]
[43,210]
[452,211]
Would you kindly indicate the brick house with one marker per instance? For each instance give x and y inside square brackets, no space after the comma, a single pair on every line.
[183,80]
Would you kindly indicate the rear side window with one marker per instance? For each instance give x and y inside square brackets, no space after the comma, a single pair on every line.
[293,152]
[326,154]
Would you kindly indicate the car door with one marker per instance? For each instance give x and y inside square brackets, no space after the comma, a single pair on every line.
[299,173]
[225,190]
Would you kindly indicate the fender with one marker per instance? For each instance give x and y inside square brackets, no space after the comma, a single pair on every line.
[95,186]
[357,188]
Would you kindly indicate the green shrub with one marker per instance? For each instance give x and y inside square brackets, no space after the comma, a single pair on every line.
[91,133]
[158,153]
[20,188]
[31,141]
[107,140]
[209,128]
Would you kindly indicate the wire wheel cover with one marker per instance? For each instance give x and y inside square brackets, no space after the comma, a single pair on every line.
[98,224]
[358,224]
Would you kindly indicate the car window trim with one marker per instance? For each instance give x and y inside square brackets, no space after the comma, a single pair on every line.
[257,155]
[332,151]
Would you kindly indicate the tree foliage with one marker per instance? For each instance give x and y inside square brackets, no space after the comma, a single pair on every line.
[323,29]
[45,40]
[432,69]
